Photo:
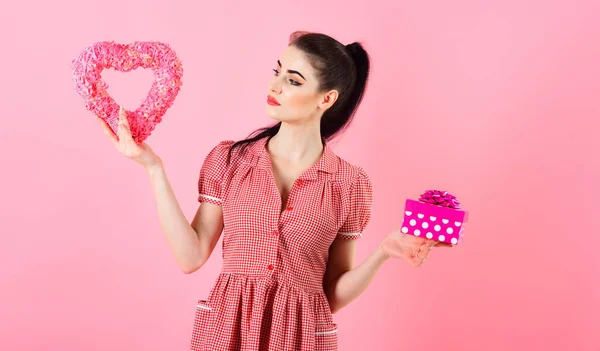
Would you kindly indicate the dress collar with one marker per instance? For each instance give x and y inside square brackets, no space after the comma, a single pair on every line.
[328,162]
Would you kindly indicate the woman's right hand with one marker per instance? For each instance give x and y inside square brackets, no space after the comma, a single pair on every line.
[127,146]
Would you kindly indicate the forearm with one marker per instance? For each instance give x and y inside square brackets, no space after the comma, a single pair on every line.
[183,241]
[352,283]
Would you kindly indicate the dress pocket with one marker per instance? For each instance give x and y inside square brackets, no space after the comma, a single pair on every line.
[326,337]
[201,332]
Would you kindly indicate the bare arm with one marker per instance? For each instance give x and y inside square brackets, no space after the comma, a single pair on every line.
[192,244]
[343,283]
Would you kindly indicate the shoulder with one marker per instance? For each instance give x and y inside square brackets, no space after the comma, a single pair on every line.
[351,173]
[216,159]
[232,159]
[223,146]
[220,151]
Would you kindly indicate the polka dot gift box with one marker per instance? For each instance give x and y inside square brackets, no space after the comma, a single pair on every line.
[436,216]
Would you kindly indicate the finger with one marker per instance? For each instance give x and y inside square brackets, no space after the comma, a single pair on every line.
[418,263]
[123,130]
[427,254]
[424,250]
[124,124]
[107,130]
[123,117]
[420,251]
[416,250]
[429,247]
[439,244]
[416,240]
[123,133]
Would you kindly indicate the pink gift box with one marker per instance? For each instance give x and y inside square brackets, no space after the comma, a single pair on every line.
[444,223]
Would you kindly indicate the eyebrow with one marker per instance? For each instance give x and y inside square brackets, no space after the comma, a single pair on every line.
[291,71]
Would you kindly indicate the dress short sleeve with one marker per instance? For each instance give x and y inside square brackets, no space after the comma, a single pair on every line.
[360,202]
[212,173]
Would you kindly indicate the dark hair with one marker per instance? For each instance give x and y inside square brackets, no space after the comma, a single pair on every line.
[338,66]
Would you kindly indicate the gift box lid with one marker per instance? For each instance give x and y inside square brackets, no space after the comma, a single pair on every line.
[414,207]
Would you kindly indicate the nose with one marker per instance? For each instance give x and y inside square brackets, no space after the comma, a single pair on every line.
[275,86]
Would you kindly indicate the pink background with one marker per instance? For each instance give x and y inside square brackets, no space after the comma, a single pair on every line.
[494,101]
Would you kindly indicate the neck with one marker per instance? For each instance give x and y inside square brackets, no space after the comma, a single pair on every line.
[297,142]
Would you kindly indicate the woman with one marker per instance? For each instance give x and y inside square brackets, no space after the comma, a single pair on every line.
[289,207]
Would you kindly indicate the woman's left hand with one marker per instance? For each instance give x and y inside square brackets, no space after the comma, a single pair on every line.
[412,249]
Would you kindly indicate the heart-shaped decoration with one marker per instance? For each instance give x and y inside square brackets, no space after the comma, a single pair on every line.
[88,67]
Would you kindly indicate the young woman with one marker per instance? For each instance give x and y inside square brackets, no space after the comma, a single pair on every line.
[289,208]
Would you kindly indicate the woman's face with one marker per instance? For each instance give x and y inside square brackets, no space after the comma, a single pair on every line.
[293,91]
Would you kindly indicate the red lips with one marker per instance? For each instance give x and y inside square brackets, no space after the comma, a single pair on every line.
[272,101]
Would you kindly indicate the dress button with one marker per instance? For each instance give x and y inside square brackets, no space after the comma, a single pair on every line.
[299,183]
[276,232]
[290,208]
[271,267]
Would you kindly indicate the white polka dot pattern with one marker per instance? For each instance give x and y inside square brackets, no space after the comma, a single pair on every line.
[449,221]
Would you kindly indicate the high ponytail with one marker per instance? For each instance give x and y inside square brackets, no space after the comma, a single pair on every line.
[362,63]
[351,90]
[344,68]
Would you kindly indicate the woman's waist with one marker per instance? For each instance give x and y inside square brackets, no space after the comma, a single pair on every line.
[274,280]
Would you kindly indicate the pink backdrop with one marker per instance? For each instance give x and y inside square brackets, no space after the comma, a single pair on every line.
[495,101]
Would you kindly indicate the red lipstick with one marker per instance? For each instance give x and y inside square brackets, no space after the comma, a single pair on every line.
[272,101]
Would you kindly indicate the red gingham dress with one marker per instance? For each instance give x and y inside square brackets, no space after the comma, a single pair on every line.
[269,294]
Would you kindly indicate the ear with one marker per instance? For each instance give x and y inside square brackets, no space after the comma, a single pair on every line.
[328,99]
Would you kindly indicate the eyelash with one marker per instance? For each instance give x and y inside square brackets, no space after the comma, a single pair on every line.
[293,82]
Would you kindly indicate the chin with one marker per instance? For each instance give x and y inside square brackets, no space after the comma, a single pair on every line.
[274,115]
[282,117]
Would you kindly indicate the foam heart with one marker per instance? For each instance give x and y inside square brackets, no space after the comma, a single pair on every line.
[88,67]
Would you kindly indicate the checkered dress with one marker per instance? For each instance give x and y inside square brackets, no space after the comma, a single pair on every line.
[269,294]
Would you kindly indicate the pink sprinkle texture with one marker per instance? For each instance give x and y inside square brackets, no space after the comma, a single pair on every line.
[87,69]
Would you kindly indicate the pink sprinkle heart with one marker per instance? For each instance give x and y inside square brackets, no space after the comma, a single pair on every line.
[90,63]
